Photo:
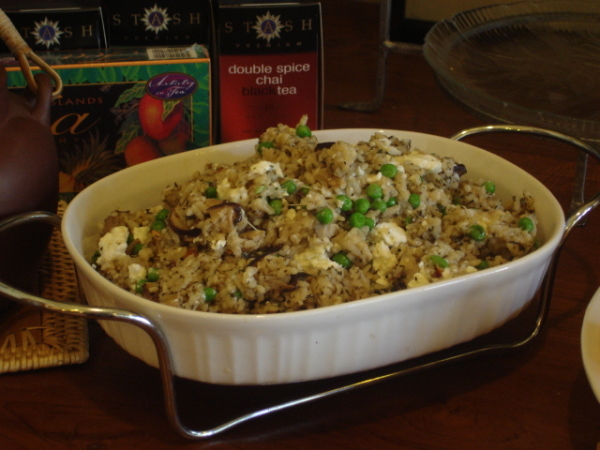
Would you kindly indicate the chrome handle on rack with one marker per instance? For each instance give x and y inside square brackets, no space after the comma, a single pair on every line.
[579,208]
[577,217]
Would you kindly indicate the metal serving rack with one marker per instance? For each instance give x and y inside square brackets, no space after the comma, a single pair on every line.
[579,211]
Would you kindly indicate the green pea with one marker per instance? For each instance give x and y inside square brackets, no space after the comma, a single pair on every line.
[345,201]
[139,286]
[342,259]
[210,294]
[489,187]
[374,191]
[304,191]
[263,145]
[357,220]
[211,192]
[277,206]
[526,224]
[379,205]
[289,186]
[369,222]
[389,170]
[409,220]
[414,200]
[362,205]
[392,202]
[158,225]
[303,131]
[325,216]
[238,294]
[163,214]
[152,274]
[136,248]
[483,265]
[477,232]
[439,261]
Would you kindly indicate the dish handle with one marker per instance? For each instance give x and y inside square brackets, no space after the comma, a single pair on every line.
[579,209]
[98,313]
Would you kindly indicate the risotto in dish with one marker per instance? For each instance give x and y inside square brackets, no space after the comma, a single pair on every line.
[303,224]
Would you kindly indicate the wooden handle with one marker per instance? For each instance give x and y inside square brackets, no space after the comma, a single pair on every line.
[23,54]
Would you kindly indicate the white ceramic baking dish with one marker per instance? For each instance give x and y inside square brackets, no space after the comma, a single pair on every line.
[320,343]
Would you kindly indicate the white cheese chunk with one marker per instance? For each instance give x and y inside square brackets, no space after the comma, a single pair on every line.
[264,167]
[418,280]
[425,161]
[142,234]
[113,244]
[218,244]
[235,195]
[389,233]
[137,272]
[315,257]
[383,262]
[374,178]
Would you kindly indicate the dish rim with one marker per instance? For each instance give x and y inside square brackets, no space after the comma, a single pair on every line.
[590,343]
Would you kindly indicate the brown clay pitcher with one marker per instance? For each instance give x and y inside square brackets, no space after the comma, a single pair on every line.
[28,178]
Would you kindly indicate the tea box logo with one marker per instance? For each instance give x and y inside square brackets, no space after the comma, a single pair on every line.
[171,86]
[156,19]
[47,32]
[268,27]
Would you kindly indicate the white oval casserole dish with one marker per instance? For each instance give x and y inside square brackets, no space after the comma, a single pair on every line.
[320,343]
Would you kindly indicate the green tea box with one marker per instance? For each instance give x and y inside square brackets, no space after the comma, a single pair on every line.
[125,106]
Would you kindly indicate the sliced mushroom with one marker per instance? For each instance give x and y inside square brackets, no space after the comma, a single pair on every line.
[171,195]
[460,169]
[118,218]
[131,246]
[179,225]
[322,145]
[226,215]
[259,254]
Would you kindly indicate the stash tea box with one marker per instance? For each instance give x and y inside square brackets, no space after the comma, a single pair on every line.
[270,67]
[159,22]
[60,27]
[125,106]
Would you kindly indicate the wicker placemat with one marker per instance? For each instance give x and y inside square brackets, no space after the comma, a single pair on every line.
[31,338]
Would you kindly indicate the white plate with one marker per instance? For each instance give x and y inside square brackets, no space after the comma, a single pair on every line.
[590,343]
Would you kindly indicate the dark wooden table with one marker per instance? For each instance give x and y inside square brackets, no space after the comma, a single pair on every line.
[537,397]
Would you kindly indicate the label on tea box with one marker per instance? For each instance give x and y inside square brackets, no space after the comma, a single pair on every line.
[143,22]
[125,106]
[59,29]
[269,68]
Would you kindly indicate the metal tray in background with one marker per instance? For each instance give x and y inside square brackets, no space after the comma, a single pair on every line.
[533,63]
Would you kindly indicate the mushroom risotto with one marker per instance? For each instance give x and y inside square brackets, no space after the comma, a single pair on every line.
[303,224]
